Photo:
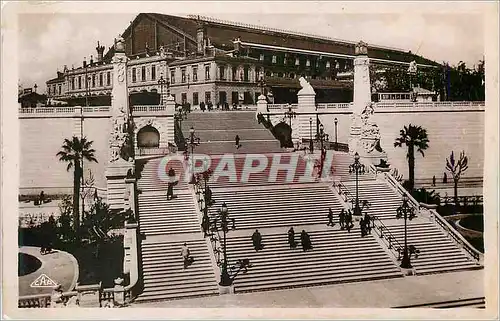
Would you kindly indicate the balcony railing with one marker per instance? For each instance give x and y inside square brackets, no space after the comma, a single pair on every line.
[433,104]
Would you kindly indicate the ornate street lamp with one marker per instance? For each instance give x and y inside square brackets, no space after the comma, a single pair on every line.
[357,168]
[408,213]
[335,121]
[222,222]
[321,136]
[193,142]
[311,143]
[290,114]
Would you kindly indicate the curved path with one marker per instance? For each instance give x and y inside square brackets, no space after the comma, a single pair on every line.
[59,266]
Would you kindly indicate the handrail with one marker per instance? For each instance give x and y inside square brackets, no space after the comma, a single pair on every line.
[401,190]
[342,190]
[391,238]
[457,237]
[42,300]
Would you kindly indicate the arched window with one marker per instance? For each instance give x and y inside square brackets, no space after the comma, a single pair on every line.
[148,137]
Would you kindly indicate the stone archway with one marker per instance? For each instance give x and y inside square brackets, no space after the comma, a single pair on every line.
[148,137]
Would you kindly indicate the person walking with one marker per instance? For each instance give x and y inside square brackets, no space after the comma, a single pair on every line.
[257,241]
[445,178]
[362,227]
[291,238]
[205,224]
[237,141]
[434,180]
[368,223]
[348,221]
[330,217]
[186,255]
[171,183]
[342,219]
[305,240]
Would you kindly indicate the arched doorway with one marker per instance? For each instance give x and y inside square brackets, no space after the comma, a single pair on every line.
[148,137]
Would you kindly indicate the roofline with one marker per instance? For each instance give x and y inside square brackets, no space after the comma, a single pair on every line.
[324,53]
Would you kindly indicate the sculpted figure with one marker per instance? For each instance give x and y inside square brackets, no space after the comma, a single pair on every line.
[306,87]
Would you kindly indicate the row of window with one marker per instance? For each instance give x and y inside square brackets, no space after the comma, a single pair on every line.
[53,91]
[143,73]
[236,97]
[285,60]
[186,77]
[92,81]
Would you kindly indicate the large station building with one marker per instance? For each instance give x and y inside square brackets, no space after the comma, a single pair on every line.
[199,59]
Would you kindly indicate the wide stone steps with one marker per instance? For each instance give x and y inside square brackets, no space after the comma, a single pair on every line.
[159,216]
[247,147]
[337,256]
[165,278]
[382,198]
[221,121]
[208,135]
[438,253]
[341,162]
[150,178]
[259,208]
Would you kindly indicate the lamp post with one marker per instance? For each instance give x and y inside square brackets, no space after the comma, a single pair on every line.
[180,115]
[261,82]
[335,121]
[321,136]
[193,142]
[408,213]
[357,168]
[290,114]
[311,143]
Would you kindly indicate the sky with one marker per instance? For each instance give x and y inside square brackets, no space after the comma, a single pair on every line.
[47,42]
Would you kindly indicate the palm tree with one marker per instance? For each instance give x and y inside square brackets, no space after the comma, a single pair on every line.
[412,136]
[456,168]
[73,152]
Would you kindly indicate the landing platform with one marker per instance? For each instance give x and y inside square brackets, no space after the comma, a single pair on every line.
[411,290]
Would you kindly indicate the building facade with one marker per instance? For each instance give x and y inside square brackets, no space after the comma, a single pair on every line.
[199,59]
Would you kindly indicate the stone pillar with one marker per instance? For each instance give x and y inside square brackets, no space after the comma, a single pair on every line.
[170,108]
[78,122]
[306,109]
[119,140]
[362,94]
[119,292]
[88,295]
[261,105]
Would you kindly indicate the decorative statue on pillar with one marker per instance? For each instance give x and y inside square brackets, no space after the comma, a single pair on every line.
[306,87]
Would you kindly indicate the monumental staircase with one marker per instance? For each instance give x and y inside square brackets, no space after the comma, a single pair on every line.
[272,207]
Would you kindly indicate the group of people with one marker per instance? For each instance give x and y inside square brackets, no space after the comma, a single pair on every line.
[345,220]
[305,240]
[365,225]
[208,106]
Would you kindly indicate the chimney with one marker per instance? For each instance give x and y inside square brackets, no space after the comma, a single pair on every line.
[91,60]
[84,62]
[100,52]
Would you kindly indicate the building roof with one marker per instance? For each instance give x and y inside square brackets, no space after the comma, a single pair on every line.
[222,33]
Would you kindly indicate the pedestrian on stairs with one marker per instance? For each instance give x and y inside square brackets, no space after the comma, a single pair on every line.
[205,224]
[186,255]
[368,223]
[305,240]
[237,141]
[348,221]
[171,183]
[342,219]
[257,241]
[330,217]
[291,238]
[362,227]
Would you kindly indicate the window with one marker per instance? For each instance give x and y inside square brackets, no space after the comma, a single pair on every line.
[108,81]
[222,72]
[153,72]
[274,59]
[100,80]
[134,79]
[297,61]
[73,83]
[93,81]
[172,76]
[245,73]
[261,57]
[280,74]
[195,99]
[195,75]
[292,75]
[183,75]
[308,63]
[207,72]
[284,60]
[79,82]
[143,73]
[328,64]
[48,90]
[233,73]
[59,89]
[183,98]
[208,97]
[234,97]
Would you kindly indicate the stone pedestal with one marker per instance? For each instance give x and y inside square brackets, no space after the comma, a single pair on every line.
[306,98]
[88,295]
[116,172]
[226,289]
[119,292]
[170,109]
[261,105]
